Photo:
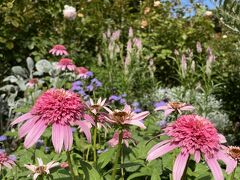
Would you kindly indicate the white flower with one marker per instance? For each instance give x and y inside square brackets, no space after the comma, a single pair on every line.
[208,14]
[69,12]
[41,168]
[95,107]
[156,3]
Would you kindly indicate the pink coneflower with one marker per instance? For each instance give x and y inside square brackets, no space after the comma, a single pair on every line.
[126,116]
[82,72]
[58,50]
[66,63]
[194,135]
[32,82]
[96,107]
[127,135]
[234,152]
[41,169]
[6,160]
[59,109]
[174,106]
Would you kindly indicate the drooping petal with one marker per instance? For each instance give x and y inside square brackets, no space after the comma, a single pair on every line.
[231,164]
[7,165]
[215,168]
[158,145]
[35,133]
[57,136]
[197,156]
[35,176]
[161,151]
[85,128]
[222,138]
[136,123]
[187,108]
[68,138]
[89,118]
[167,112]
[26,127]
[179,166]
[22,118]
[140,116]
[40,162]
[162,108]
[30,167]
[127,108]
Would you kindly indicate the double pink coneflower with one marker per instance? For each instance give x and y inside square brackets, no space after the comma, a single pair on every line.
[58,50]
[58,109]
[196,136]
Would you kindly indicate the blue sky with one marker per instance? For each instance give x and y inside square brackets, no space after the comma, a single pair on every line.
[209,3]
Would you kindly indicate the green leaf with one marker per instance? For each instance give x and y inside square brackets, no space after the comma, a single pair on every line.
[155,175]
[89,171]
[9,45]
[105,158]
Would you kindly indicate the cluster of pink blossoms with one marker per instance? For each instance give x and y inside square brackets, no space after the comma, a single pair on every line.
[67,63]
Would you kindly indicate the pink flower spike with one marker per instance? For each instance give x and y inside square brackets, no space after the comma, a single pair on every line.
[126,117]
[58,50]
[174,106]
[59,109]
[66,64]
[194,135]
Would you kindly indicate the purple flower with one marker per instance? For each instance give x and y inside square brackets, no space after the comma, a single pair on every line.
[3,138]
[137,110]
[89,74]
[114,98]
[89,87]
[162,123]
[47,149]
[77,88]
[82,92]
[122,101]
[73,129]
[39,143]
[159,104]
[124,95]
[77,83]
[96,82]
[102,151]
[135,104]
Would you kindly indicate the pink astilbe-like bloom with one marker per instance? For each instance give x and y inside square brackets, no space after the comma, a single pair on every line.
[66,63]
[41,169]
[58,50]
[59,109]
[174,106]
[127,135]
[196,136]
[6,160]
[126,117]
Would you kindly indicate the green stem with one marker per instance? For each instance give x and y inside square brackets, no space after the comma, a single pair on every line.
[232,175]
[94,144]
[70,165]
[118,154]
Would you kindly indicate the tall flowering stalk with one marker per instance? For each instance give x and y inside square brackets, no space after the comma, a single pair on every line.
[95,109]
[194,135]
[122,119]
